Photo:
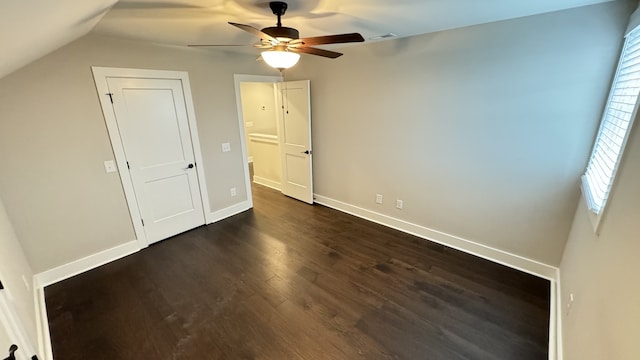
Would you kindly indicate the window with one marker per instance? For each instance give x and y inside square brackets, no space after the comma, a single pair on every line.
[616,122]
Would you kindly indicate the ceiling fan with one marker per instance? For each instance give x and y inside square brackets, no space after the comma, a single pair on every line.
[283,45]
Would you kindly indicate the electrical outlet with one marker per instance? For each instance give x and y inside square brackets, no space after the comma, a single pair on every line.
[399,204]
[378,199]
[233,191]
[226,147]
[110,166]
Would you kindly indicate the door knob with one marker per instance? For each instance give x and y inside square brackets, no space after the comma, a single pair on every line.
[308,152]
[190,166]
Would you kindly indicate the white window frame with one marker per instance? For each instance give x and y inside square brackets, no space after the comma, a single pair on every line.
[596,211]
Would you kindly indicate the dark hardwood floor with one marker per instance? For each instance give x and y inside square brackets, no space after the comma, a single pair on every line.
[288,280]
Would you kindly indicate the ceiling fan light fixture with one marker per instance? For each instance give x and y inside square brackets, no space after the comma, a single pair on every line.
[280,59]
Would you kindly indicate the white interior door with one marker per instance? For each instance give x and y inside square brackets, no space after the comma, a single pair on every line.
[295,139]
[154,129]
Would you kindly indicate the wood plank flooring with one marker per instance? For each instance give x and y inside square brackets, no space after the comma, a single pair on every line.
[288,280]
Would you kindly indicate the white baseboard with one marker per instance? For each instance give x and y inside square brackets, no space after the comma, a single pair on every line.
[228,211]
[517,262]
[79,266]
[542,270]
[266,182]
[498,256]
[62,272]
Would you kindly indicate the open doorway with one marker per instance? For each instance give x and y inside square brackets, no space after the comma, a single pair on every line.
[275,125]
[256,104]
[261,133]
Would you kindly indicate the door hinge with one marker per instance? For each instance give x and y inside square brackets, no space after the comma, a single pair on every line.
[1,286]
[142,221]
[110,96]
[128,167]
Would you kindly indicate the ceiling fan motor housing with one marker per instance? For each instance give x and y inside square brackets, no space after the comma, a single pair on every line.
[282,40]
[282,32]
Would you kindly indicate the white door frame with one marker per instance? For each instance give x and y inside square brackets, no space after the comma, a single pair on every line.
[100,75]
[237,79]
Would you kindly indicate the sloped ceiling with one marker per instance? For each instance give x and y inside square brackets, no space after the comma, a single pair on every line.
[30,29]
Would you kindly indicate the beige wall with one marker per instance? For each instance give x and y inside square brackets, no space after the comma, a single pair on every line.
[13,267]
[258,107]
[53,141]
[602,272]
[482,131]
[259,110]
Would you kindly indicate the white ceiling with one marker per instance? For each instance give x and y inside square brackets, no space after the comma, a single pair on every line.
[30,29]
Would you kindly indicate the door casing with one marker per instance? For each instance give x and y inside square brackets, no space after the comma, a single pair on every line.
[100,75]
[240,78]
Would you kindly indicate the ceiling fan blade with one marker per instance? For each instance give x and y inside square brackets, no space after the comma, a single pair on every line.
[331,39]
[254,31]
[316,51]
[205,45]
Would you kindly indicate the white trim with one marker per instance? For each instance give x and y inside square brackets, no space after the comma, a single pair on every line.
[555,320]
[498,256]
[548,272]
[87,263]
[266,182]
[42,322]
[62,272]
[266,138]
[559,350]
[195,143]
[100,75]
[552,321]
[514,261]
[229,211]
[237,79]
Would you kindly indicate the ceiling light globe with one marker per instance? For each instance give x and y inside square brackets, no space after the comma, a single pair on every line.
[280,59]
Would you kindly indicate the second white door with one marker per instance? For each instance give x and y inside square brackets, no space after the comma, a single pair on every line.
[295,139]
[154,129]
